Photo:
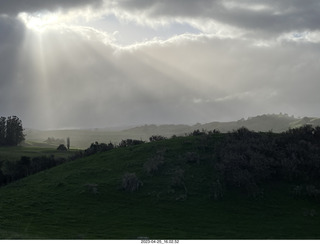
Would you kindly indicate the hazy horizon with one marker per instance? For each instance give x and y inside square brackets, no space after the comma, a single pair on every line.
[118,128]
[109,63]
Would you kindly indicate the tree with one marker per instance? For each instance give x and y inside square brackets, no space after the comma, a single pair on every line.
[11,131]
[68,143]
[14,131]
[3,121]
[62,147]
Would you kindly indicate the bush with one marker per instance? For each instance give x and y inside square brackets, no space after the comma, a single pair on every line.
[192,157]
[153,164]
[157,138]
[96,147]
[247,159]
[217,190]
[130,142]
[92,188]
[177,179]
[130,182]
[198,133]
[62,147]
[309,191]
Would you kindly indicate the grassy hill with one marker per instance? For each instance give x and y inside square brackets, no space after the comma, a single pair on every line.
[85,199]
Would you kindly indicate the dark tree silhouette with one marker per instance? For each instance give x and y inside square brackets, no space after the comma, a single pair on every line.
[11,131]
[62,147]
[3,131]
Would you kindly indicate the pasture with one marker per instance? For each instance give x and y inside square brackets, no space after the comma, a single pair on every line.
[15,153]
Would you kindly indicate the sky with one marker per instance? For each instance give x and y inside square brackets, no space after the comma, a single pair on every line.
[106,63]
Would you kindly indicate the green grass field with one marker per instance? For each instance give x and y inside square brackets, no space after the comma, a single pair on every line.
[15,153]
[83,199]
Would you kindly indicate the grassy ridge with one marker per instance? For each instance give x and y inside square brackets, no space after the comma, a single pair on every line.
[84,199]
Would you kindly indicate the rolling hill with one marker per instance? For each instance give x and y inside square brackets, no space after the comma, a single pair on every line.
[267,122]
[175,198]
[82,138]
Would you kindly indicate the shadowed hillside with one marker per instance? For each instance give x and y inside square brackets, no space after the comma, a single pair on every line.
[241,185]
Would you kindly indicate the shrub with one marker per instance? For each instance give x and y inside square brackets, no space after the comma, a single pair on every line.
[11,171]
[309,191]
[153,164]
[217,190]
[62,147]
[130,182]
[198,133]
[312,191]
[177,180]
[214,132]
[130,142]
[98,147]
[192,157]
[245,160]
[92,188]
[157,138]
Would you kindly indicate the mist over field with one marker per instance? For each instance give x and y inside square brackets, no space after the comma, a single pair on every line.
[104,63]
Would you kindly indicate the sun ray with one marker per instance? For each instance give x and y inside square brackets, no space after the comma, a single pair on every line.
[32,75]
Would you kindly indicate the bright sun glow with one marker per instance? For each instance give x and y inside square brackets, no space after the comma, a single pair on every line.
[40,21]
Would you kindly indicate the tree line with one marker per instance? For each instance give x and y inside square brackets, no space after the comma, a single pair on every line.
[11,131]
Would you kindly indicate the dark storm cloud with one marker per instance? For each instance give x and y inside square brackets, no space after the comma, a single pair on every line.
[11,36]
[17,6]
[90,84]
[86,80]
[267,16]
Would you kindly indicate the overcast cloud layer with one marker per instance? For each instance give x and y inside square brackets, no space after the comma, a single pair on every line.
[17,6]
[119,62]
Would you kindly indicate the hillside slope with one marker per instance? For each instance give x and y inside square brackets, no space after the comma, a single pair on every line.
[84,199]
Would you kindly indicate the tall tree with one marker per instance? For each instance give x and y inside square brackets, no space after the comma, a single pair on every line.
[68,143]
[2,131]
[14,131]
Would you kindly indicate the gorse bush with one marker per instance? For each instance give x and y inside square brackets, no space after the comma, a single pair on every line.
[306,191]
[247,159]
[217,190]
[177,178]
[153,164]
[130,182]
[192,157]
[178,183]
